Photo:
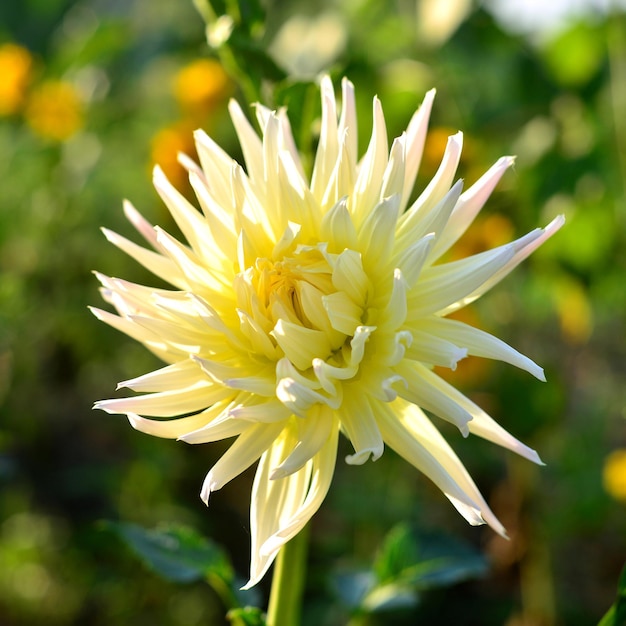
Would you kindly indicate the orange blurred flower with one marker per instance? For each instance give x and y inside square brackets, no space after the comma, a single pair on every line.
[614,474]
[55,110]
[167,143]
[15,72]
[200,85]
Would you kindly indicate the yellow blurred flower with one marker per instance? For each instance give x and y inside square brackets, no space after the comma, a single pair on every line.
[200,85]
[574,310]
[167,144]
[614,474]
[55,110]
[15,71]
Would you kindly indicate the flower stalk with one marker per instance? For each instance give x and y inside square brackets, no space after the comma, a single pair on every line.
[285,603]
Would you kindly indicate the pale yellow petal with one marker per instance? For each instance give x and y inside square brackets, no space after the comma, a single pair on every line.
[425,389]
[377,234]
[249,140]
[272,503]
[437,187]
[181,374]
[523,248]
[247,449]
[216,167]
[314,430]
[168,403]
[367,187]
[415,140]
[411,434]
[358,421]
[300,344]
[328,147]
[469,204]
[349,276]
[472,341]
[337,228]
[167,429]
[442,288]
[154,262]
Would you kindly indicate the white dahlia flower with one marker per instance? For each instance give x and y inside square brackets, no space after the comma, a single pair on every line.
[303,308]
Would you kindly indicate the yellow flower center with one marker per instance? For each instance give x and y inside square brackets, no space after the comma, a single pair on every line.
[307,306]
[285,287]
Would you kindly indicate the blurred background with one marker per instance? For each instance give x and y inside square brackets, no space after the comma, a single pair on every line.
[94,92]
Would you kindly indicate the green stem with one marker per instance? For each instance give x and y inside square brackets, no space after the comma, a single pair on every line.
[288,582]
[227,56]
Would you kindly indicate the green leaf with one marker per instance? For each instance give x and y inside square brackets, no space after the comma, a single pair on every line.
[246,616]
[421,561]
[616,615]
[408,563]
[177,553]
[576,55]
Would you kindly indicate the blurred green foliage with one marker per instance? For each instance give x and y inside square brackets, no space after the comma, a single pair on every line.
[559,103]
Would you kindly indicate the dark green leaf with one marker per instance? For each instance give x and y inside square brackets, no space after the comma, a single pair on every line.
[421,561]
[176,553]
[400,550]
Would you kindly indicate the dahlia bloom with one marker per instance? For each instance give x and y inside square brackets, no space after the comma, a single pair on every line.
[303,308]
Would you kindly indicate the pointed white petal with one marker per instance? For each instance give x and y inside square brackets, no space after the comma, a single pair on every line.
[377,234]
[314,431]
[156,263]
[273,502]
[523,248]
[216,166]
[437,188]
[415,139]
[469,205]
[474,341]
[188,219]
[432,220]
[182,374]
[168,429]
[443,288]
[434,350]
[321,478]
[337,228]
[394,176]
[425,389]
[143,227]
[167,403]
[348,121]
[250,142]
[368,184]
[248,447]
[411,434]
[328,146]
